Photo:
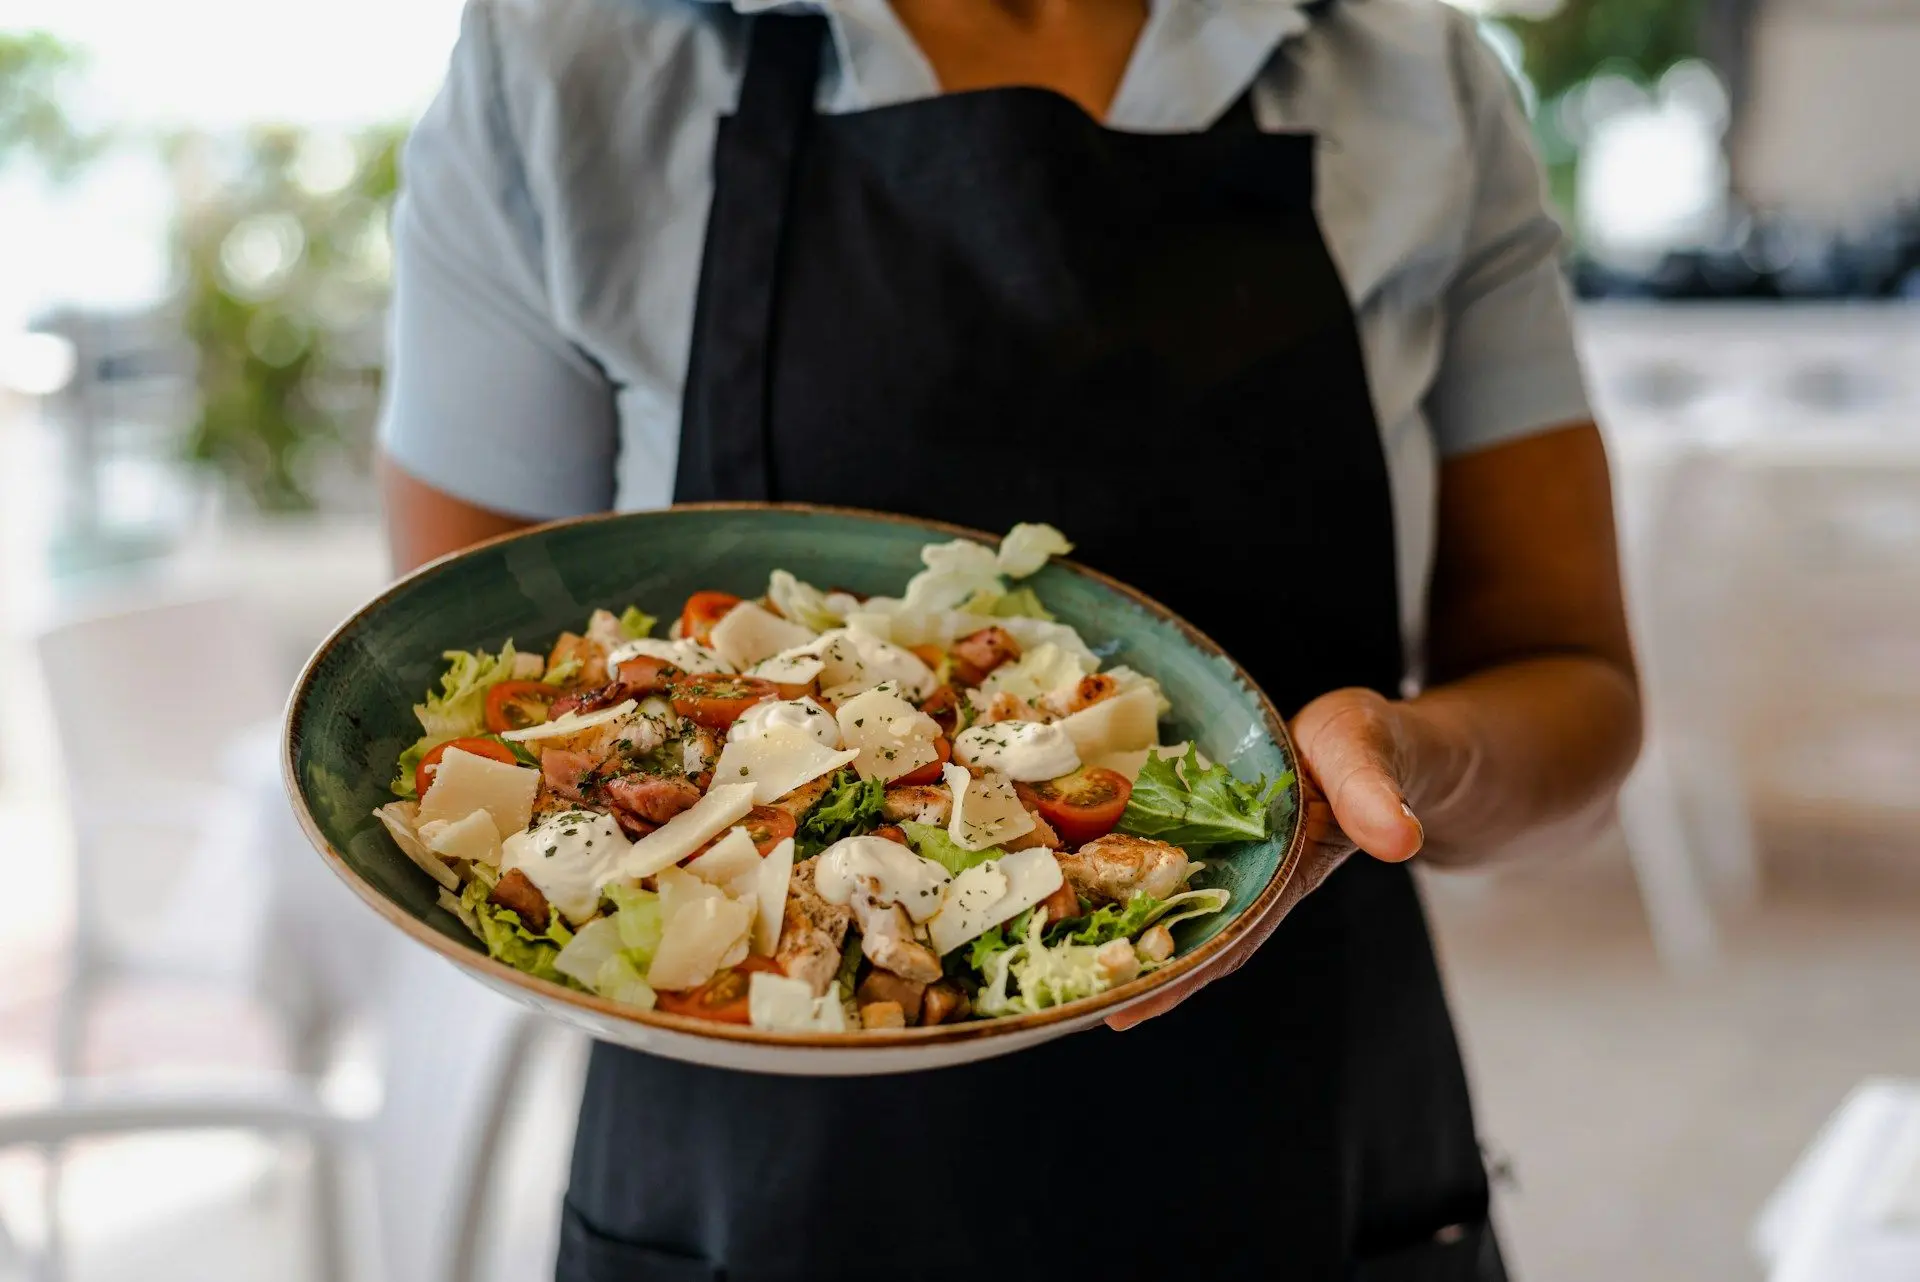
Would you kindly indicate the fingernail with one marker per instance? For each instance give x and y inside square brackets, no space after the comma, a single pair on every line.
[1407,810]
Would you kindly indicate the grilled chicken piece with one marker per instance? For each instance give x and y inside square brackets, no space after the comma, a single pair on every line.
[654,798]
[1041,835]
[517,894]
[943,1003]
[592,656]
[881,986]
[886,936]
[1114,868]
[801,799]
[973,657]
[563,772]
[811,933]
[922,804]
[1090,690]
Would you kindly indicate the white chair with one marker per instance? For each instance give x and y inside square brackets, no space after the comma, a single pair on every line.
[400,1188]
[1850,1208]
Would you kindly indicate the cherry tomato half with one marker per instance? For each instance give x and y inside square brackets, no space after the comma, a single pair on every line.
[1080,806]
[716,702]
[702,611]
[768,826]
[515,705]
[722,999]
[489,748]
[929,773]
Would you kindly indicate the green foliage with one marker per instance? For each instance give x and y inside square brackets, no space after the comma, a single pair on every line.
[36,74]
[1639,39]
[284,281]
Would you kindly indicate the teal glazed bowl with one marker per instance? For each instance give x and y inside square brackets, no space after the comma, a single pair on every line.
[350,716]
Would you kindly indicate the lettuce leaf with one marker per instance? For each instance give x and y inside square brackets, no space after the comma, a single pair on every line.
[1032,975]
[1113,921]
[802,603]
[457,710]
[510,940]
[849,807]
[596,960]
[994,942]
[639,918]
[1026,548]
[931,841]
[636,623]
[1022,603]
[1195,806]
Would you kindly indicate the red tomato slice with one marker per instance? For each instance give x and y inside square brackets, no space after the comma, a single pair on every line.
[929,773]
[1080,806]
[716,702]
[703,610]
[768,826]
[491,748]
[515,705]
[722,999]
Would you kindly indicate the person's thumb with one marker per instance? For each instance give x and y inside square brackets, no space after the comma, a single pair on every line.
[1349,744]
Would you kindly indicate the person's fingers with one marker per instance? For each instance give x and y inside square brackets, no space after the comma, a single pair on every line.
[1349,745]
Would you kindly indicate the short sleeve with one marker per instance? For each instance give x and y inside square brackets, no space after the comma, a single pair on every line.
[1509,366]
[486,398]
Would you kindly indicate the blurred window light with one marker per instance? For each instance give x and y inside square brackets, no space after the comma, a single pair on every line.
[260,253]
[1653,175]
[36,364]
[327,162]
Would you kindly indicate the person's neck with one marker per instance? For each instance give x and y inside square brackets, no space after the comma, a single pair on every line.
[1077,48]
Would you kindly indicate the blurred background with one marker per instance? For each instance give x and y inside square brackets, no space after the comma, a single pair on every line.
[193,269]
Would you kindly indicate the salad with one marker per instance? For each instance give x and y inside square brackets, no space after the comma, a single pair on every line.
[814,811]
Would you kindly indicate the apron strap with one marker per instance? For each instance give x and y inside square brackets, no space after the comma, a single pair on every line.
[744,238]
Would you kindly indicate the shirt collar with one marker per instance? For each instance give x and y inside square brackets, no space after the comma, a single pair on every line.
[1194,59]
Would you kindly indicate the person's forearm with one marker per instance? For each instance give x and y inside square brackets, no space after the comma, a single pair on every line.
[1520,758]
[424,523]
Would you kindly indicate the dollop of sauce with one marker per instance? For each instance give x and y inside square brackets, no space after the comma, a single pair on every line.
[801,714]
[1026,751]
[568,855]
[901,877]
[686,655]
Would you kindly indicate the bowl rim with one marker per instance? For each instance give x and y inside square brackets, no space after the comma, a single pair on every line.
[858,1039]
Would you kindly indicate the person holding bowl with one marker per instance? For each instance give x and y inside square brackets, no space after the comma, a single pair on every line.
[1258,301]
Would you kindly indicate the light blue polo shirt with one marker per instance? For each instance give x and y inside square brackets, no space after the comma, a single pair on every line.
[554,203]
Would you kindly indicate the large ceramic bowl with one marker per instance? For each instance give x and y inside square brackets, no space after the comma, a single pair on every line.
[350,716]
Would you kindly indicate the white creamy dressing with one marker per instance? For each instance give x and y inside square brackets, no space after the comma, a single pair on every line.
[802,714]
[901,877]
[569,855]
[686,655]
[1024,751]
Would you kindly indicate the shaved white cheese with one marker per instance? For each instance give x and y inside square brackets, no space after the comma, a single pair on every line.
[465,782]
[1129,763]
[726,859]
[568,856]
[775,762]
[697,941]
[857,660]
[399,819]
[724,805]
[747,634]
[770,889]
[986,811]
[475,838]
[789,669]
[892,736]
[1024,751]
[1125,723]
[987,894]
[777,1004]
[567,725]
[891,872]
[686,654]
[677,888]
[1046,669]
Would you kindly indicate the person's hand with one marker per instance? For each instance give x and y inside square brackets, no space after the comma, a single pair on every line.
[1356,763]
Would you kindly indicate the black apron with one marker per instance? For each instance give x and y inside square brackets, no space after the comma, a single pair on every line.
[988,308]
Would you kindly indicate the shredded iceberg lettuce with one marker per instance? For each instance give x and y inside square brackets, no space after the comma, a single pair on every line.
[457,710]
[1026,548]
[802,603]
[1031,976]
[509,939]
